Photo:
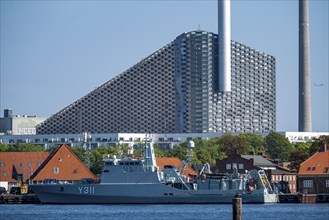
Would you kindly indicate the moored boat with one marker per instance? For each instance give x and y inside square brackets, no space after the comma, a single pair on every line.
[139,181]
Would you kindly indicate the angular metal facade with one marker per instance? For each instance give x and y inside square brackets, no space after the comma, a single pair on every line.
[175,90]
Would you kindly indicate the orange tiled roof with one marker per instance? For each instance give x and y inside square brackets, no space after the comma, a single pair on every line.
[62,164]
[174,161]
[316,164]
[21,163]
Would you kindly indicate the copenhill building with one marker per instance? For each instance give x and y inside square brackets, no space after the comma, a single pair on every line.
[176,90]
[200,82]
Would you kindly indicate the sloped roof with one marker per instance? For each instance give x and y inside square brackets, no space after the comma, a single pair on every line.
[62,164]
[23,163]
[259,160]
[174,161]
[316,164]
[283,171]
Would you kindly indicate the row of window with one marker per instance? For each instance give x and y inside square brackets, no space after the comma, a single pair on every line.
[239,166]
[21,165]
[309,183]
[325,170]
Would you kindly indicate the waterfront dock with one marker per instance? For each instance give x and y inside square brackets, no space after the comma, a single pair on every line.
[19,199]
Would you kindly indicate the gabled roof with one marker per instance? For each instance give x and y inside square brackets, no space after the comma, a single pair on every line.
[259,160]
[62,164]
[316,164]
[174,161]
[14,164]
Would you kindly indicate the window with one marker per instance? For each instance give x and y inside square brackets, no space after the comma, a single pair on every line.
[56,170]
[228,166]
[313,168]
[308,183]
[235,166]
[2,164]
[30,164]
[241,166]
[326,170]
[39,164]
[308,168]
[4,173]
[327,183]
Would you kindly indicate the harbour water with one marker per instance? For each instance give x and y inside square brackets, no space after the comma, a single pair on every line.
[162,212]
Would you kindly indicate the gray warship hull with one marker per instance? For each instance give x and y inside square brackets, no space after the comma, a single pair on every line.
[140,181]
[141,194]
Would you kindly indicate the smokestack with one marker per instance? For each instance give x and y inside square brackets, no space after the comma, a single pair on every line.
[304,116]
[224,45]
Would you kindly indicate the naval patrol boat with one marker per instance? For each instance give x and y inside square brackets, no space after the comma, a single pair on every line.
[139,181]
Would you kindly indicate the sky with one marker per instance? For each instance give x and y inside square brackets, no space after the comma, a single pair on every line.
[52,53]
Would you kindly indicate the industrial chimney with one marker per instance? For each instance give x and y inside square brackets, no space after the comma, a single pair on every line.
[304,116]
[224,45]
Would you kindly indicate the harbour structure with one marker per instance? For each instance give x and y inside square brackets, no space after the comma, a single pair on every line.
[304,116]
[176,90]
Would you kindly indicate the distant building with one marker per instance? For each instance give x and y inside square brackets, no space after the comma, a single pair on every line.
[313,175]
[283,179]
[176,90]
[17,167]
[19,125]
[62,165]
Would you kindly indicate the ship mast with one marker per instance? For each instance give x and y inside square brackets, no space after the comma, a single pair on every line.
[149,156]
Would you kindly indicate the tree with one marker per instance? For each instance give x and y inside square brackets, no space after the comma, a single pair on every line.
[233,144]
[277,146]
[4,147]
[255,142]
[179,151]
[319,143]
[297,157]
[26,147]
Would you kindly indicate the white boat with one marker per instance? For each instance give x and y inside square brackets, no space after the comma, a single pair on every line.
[139,181]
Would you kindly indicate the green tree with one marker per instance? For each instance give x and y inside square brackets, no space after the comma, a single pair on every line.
[179,151]
[319,143]
[255,142]
[4,147]
[206,151]
[233,144]
[297,157]
[79,152]
[277,146]
[26,147]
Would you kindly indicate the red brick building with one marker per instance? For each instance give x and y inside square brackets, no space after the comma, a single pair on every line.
[313,175]
[282,178]
[62,165]
[17,167]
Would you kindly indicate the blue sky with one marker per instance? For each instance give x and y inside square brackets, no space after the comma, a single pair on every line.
[55,52]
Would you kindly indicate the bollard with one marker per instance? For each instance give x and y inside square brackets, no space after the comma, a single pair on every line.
[237,208]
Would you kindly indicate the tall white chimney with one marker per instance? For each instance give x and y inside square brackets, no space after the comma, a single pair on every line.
[224,45]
